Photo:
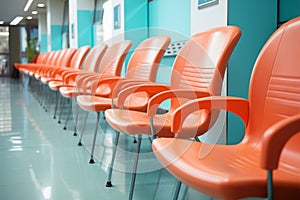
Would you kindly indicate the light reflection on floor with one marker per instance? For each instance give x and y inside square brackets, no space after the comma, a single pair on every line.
[40,160]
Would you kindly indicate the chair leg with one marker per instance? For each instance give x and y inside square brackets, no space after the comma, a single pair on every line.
[68,117]
[83,129]
[134,139]
[108,183]
[197,139]
[185,192]
[47,96]
[135,166]
[62,105]
[76,121]
[94,139]
[157,183]
[43,95]
[270,184]
[57,101]
[177,189]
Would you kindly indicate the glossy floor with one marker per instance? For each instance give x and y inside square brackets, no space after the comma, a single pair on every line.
[40,160]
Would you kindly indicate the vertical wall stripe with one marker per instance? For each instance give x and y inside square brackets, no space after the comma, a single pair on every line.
[44,43]
[256,29]
[85,27]
[288,9]
[56,37]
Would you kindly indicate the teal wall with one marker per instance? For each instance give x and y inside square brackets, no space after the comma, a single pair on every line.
[166,17]
[173,19]
[289,9]
[85,27]
[44,43]
[56,37]
[257,24]
[171,15]
[135,22]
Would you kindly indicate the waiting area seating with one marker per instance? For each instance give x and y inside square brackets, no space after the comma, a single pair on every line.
[264,164]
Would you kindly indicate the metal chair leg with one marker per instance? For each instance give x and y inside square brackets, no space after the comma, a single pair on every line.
[68,117]
[94,139]
[108,183]
[139,140]
[83,129]
[62,104]
[270,184]
[76,121]
[177,190]
[45,100]
[57,101]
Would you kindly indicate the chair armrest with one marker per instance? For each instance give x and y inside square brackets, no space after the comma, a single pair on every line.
[125,83]
[239,106]
[157,99]
[70,78]
[70,71]
[274,140]
[84,80]
[150,88]
[105,82]
[56,73]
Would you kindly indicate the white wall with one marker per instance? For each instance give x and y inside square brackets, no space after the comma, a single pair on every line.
[110,35]
[119,33]
[85,4]
[42,24]
[73,33]
[203,19]
[55,10]
[49,25]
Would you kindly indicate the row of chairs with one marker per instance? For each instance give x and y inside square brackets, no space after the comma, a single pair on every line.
[271,115]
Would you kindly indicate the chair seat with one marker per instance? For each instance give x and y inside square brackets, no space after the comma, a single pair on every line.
[135,122]
[68,91]
[241,176]
[55,85]
[93,103]
[45,80]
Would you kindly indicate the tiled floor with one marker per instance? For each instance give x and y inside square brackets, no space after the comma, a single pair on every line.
[40,160]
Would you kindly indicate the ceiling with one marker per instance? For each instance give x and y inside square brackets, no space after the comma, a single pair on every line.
[9,9]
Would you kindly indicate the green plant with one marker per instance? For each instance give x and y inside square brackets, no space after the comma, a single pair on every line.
[31,49]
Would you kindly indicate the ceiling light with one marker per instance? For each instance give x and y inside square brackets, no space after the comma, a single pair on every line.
[41,5]
[34,12]
[1,22]
[28,4]
[29,18]
[16,20]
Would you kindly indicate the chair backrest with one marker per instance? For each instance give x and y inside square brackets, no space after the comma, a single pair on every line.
[93,58]
[145,59]
[202,61]
[274,91]
[40,58]
[52,56]
[65,57]
[78,57]
[113,59]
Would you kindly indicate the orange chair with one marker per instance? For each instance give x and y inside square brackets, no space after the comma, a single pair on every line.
[55,78]
[26,67]
[98,63]
[142,66]
[60,59]
[266,163]
[197,72]
[110,66]
[91,64]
